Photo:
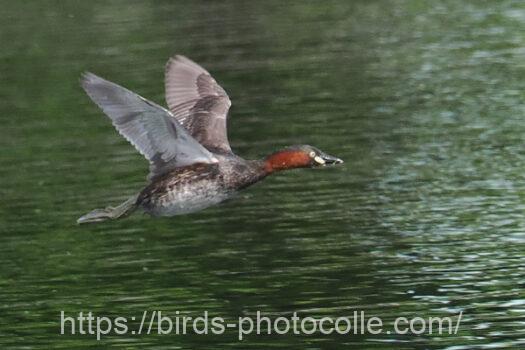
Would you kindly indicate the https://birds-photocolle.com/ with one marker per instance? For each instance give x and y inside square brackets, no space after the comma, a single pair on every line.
[192,165]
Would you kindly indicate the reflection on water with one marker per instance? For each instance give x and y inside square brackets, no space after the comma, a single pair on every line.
[423,101]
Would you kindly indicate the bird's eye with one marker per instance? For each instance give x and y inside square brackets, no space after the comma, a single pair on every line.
[312,154]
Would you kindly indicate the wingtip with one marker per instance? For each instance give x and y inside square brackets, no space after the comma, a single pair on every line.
[87,77]
[174,59]
[89,80]
[181,60]
[178,57]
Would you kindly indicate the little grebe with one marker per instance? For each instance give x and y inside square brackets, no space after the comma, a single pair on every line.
[191,163]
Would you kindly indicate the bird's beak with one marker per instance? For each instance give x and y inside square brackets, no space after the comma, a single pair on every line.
[325,159]
[330,160]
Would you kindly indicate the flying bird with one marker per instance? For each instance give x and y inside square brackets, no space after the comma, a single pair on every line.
[191,163]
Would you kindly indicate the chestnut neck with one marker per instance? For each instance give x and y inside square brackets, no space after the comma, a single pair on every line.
[286,159]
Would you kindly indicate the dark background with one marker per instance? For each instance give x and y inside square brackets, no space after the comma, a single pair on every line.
[422,99]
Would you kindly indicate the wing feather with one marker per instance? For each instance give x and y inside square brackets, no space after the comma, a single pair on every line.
[197,102]
[147,126]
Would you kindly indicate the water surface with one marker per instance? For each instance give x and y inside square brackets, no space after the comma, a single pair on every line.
[423,101]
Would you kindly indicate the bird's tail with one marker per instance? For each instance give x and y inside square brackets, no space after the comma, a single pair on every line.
[108,213]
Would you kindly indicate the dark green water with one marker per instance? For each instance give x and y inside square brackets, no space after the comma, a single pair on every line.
[423,100]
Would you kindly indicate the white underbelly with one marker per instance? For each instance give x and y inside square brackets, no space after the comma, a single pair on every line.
[187,201]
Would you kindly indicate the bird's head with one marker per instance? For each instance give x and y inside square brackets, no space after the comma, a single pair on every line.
[299,156]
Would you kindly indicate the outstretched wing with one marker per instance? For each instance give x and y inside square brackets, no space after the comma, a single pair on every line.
[198,102]
[150,128]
